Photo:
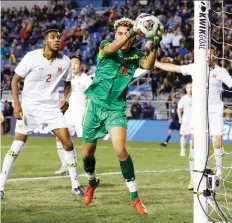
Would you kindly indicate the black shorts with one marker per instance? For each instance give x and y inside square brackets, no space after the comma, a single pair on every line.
[174,126]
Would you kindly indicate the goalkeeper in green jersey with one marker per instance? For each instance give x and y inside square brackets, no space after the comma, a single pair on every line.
[106,106]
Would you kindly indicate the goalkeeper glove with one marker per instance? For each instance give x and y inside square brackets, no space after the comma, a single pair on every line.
[157,39]
[132,32]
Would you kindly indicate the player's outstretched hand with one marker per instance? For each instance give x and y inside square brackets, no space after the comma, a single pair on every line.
[132,32]
[64,105]
[18,112]
[157,39]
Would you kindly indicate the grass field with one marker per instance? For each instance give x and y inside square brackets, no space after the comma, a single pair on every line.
[162,178]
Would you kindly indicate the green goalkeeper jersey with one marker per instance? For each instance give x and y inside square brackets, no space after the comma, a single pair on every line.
[113,74]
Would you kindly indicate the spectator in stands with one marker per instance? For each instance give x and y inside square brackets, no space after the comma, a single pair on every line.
[155,79]
[165,87]
[8,112]
[136,109]
[148,111]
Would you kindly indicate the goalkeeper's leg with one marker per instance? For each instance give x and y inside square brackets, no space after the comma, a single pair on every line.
[118,136]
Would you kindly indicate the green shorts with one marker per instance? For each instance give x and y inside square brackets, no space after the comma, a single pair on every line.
[97,121]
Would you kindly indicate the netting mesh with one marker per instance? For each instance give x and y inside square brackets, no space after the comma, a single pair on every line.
[220,202]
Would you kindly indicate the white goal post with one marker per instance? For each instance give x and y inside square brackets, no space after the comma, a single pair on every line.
[201,36]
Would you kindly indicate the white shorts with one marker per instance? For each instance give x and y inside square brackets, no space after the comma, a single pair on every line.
[34,118]
[185,128]
[74,123]
[216,121]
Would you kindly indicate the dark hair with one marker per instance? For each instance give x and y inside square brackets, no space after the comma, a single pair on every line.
[75,57]
[48,31]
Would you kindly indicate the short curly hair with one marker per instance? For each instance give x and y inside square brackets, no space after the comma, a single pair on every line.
[123,22]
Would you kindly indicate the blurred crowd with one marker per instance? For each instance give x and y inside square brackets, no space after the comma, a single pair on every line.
[82,29]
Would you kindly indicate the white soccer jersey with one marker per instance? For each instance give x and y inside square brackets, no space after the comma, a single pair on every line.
[41,79]
[185,103]
[218,76]
[77,99]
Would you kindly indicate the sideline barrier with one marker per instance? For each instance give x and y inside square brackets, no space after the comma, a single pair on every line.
[138,130]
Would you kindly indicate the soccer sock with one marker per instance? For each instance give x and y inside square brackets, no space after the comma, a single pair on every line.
[70,157]
[168,138]
[61,153]
[191,163]
[89,167]
[219,158]
[182,143]
[9,161]
[128,173]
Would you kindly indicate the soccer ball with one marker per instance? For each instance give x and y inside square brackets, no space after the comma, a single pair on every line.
[147,25]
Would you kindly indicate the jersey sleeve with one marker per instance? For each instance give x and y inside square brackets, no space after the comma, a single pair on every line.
[23,67]
[68,74]
[226,78]
[140,55]
[88,82]
[105,42]
[181,103]
[187,69]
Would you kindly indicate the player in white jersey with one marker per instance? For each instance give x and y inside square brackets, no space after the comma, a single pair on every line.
[42,70]
[217,76]
[184,115]
[77,103]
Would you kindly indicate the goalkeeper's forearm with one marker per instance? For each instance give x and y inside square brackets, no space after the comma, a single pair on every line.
[148,62]
[168,67]
[116,45]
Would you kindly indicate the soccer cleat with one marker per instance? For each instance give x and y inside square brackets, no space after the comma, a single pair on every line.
[2,194]
[89,192]
[62,170]
[139,206]
[164,144]
[78,192]
[191,185]
[182,153]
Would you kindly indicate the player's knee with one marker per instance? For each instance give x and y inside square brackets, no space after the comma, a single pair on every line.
[122,152]
[68,145]
[20,137]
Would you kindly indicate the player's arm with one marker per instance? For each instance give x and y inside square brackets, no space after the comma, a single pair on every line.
[148,62]
[180,110]
[169,67]
[179,113]
[67,88]
[117,44]
[226,78]
[15,93]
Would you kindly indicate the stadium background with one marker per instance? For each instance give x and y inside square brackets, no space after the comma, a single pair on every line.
[32,193]
[83,24]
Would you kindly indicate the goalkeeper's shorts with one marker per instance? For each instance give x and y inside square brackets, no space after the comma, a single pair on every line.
[97,121]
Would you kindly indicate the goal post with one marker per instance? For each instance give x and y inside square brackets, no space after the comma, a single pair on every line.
[201,36]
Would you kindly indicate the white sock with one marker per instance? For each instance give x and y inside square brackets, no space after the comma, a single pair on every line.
[191,163]
[219,158]
[61,153]
[132,186]
[9,161]
[182,144]
[91,176]
[70,157]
